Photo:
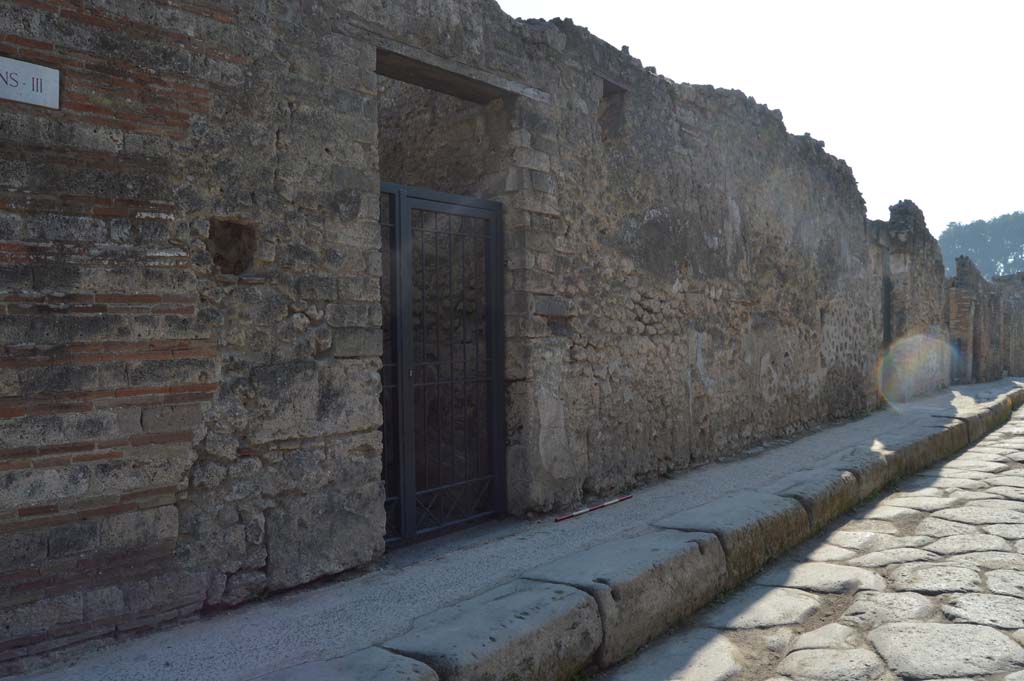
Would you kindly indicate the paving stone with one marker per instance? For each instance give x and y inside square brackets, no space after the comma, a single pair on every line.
[983,454]
[926,650]
[861,541]
[643,585]
[522,629]
[366,665]
[973,465]
[832,665]
[827,553]
[969,494]
[1006,582]
[759,607]
[1007,504]
[934,579]
[936,527]
[1015,493]
[872,608]
[930,493]
[1005,612]
[936,473]
[822,577]
[752,527]
[928,504]
[694,655]
[836,636]
[967,543]
[878,526]
[1006,531]
[891,556]
[974,515]
[989,560]
[779,639]
[1006,481]
[919,483]
[893,513]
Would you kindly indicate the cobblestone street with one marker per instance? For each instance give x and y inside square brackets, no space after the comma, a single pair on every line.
[925,583]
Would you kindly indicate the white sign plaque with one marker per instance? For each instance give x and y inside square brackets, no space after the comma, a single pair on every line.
[21,81]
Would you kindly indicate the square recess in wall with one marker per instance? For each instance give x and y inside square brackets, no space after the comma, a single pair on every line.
[232,246]
[611,114]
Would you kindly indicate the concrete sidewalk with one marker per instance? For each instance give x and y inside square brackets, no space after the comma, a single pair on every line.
[705,517]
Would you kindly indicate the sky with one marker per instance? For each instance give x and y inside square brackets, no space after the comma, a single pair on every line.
[923,98]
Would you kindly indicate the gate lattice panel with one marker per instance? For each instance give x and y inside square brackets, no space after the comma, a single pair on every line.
[443,371]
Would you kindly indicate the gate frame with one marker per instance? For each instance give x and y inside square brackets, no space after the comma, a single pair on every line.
[405,199]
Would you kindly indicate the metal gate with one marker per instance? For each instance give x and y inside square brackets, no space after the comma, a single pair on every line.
[443,371]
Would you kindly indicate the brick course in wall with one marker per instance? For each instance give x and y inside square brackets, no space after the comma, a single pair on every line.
[190,304]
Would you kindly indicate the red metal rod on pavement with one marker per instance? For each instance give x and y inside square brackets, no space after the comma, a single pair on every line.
[592,508]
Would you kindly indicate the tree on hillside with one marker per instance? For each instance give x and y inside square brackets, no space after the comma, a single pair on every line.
[996,246]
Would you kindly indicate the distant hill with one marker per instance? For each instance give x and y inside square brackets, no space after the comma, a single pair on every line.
[996,246]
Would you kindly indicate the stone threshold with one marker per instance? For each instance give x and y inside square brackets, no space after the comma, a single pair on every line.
[595,608]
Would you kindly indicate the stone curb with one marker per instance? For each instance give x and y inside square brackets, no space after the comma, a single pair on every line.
[598,607]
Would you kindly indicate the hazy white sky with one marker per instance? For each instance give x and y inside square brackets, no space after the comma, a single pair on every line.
[923,98]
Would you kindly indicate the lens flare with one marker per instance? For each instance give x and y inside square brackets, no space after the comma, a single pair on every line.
[913,366]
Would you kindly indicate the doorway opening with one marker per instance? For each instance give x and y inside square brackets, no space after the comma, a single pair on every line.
[442,294]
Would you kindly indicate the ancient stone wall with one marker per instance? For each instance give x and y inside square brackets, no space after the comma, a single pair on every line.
[917,358]
[986,322]
[190,263]
[191,314]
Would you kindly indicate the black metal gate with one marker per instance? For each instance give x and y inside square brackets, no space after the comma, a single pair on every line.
[443,373]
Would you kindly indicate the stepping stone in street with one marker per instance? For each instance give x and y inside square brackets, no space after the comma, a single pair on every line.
[930,650]
[832,665]
[694,655]
[872,608]
[1006,531]
[1006,582]
[921,503]
[822,577]
[968,543]
[934,579]
[980,516]
[936,527]
[834,636]
[1005,612]
[891,557]
[759,607]
[989,560]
